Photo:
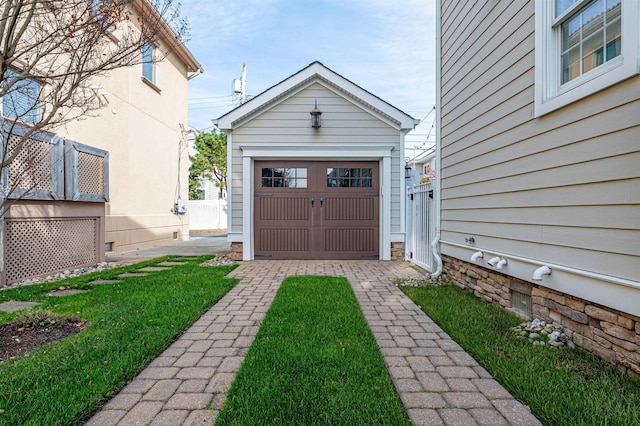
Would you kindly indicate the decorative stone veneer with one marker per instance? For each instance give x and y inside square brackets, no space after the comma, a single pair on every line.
[608,333]
[236,251]
[396,251]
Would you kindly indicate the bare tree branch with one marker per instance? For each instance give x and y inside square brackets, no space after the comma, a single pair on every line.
[52,51]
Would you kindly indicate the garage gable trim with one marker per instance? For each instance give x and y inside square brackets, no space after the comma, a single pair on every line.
[315,72]
[358,103]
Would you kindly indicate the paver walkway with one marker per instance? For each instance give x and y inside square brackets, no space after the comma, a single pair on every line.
[438,383]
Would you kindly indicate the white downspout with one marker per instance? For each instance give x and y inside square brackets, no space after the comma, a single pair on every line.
[436,190]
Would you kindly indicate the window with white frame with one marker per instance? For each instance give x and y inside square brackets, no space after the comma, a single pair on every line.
[21,101]
[583,46]
[148,70]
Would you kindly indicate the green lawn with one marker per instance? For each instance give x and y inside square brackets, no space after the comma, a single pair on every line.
[562,386]
[313,362]
[127,326]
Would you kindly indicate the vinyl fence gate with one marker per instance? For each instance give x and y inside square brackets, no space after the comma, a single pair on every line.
[420,230]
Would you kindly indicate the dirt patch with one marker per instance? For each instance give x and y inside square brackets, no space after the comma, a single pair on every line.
[16,339]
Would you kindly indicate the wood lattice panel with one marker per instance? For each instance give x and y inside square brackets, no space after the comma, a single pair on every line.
[90,173]
[38,247]
[31,168]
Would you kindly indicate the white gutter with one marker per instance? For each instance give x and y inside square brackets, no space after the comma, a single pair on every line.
[436,189]
[194,74]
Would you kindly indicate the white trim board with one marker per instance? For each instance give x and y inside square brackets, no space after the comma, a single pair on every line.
[315,72]
[285,152]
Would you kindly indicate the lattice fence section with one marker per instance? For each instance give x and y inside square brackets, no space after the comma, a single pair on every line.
[38,247]
[31,168]
[90,173]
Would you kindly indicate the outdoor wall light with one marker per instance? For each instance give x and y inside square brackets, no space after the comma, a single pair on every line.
[494,261]
[315,116]
[477,255]
[407,171]
[540,272]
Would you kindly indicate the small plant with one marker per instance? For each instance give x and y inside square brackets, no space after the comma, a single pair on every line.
[36,318]
[424,280]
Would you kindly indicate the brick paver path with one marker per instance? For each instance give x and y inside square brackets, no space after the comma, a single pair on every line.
[438,383]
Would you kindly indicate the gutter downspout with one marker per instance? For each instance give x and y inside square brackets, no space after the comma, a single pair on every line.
[436,190]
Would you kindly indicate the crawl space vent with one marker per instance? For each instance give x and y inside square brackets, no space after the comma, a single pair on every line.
[521,302]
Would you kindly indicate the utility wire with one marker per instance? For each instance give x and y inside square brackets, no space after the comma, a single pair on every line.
[209,97]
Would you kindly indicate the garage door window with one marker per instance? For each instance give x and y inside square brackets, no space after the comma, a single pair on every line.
[284,177]
[349,178]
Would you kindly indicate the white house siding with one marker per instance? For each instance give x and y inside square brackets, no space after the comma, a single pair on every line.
[343,123]
[563,188]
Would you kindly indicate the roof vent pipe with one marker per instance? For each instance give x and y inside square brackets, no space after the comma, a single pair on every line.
[501,264]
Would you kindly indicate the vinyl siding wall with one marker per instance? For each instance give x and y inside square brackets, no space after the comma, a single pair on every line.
[343,123]
[563,188]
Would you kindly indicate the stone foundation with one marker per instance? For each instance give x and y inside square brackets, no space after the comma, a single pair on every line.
[608,333]
[396,251]
[236,251]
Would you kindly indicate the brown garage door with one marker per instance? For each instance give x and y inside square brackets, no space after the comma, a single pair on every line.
[316,210]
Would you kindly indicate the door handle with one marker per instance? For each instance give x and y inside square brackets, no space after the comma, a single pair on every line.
[321,200]
[312,200]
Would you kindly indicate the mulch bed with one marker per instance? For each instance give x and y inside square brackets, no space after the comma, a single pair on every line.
[16,340]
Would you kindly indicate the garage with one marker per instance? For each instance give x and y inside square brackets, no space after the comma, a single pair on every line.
[316,210]
[315,171]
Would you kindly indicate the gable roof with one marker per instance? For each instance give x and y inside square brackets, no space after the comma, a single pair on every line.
[314,72]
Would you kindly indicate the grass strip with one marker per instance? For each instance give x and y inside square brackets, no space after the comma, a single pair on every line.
[127,326]
[314,362]
[561,386]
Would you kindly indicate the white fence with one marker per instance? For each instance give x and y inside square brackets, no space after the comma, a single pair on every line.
[208,214]
[419,225]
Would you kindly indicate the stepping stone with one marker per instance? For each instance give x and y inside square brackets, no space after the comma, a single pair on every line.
[60,293]
[105,282]
[171,263]
[133,274]
[153,269]
[16,306]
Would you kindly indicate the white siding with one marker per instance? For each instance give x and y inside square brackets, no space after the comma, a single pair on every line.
[343,123]
[562,188]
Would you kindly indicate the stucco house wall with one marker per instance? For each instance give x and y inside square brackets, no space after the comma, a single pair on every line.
[140,127]
[356,125]
[559,188]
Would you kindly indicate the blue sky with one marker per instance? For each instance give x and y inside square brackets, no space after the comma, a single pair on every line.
[385,46]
